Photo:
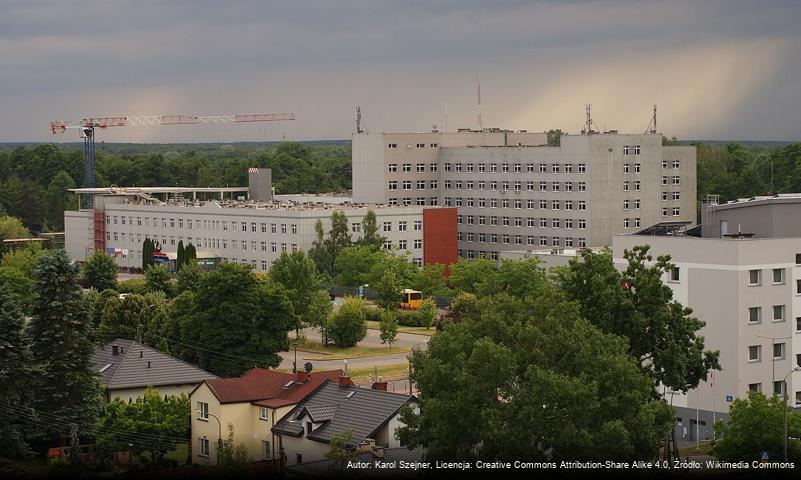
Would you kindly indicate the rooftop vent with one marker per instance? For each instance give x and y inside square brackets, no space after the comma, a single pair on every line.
[106,367]
[350,394]
[115,350]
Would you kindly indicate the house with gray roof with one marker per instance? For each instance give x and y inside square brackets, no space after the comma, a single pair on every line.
[126,368]
[370,414]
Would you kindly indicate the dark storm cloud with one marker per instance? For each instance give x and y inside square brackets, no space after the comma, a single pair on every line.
[736,62]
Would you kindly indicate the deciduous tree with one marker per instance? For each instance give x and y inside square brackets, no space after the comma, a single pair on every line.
[348,325]
[100,271]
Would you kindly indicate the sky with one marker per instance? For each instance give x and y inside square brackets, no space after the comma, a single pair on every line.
[717,69]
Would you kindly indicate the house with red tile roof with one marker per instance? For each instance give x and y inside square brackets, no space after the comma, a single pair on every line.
[252,404]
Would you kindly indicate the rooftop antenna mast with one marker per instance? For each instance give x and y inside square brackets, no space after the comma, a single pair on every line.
[478,104]
[589,122]
[359,126]
[652,125]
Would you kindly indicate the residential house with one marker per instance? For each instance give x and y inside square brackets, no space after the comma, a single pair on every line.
[126,368]
[371,416]
[252,404]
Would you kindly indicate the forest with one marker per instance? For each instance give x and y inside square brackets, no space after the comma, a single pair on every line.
[34,178]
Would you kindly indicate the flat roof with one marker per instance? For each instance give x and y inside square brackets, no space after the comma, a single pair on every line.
[757,199]
[135,190]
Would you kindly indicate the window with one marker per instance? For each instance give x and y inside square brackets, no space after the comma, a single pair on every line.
[392,167]
[778,313]
[637,168]
[421,167]
[778,276]
[798,324]
[387,226]
[675,164]
[798,258]
[203,446]
[778,351]
[754,353]
[392,145]
[676,211]
[754,277]
[676,180]
[569,168]
[754,314]
[264,413]
[203,411]
[582,168]
[433,167]
[755,387]
[418,225]
[626,168]
[407,184]
[664,181]
[407,168]
[778,387]
[265,449]
[675,274]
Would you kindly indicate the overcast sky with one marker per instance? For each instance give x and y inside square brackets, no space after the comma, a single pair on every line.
[723,69]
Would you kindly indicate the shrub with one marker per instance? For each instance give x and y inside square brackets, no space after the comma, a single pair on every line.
[347,326]
[132,285]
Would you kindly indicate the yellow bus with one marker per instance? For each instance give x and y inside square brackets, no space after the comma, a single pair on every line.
[412,300]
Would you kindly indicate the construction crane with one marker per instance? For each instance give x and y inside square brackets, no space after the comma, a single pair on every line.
[87,128]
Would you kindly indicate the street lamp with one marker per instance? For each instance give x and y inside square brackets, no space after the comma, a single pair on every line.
[219,432]
[796,368]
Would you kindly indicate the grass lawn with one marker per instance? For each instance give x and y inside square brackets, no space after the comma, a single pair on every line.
[332,352]
[704,448]
[373,325]
[384,371]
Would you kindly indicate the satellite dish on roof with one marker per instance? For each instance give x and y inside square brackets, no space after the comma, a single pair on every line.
[308,367]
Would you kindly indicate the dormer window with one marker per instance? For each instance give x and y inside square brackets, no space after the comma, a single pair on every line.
[309,427]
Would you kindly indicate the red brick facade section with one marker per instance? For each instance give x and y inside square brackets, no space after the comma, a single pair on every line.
[439,236]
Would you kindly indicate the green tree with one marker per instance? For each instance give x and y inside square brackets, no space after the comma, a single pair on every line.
[297,274]
[189,277]
[66,386]
[467,275]
[20,285]
[58,198]
[535,382]
[148,249]
[325,250]
[233,457]
[756,425]
[157,279]
[554,137]
[178,327]
[181,255]
[241,316]
[22,259]
[432,281]
[190,253]
[14,376]
[427,314]
[348,325]
[138,317]
[388,327]
[11,227]
[160,424]
[100,271]
[340,450]
[637,305]
[354,265]
[370,236]
[388,288]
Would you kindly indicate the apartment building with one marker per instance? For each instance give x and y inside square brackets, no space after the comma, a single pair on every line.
[514,192]
[748,291]
[243,230]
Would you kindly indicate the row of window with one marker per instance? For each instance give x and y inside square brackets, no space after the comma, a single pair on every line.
[420,201]
[198,224]
[506,239]
[631,223]
[671,196]
[543,242]
[504,185]
[517,203]
[531,222]
[631,149]
[779,315]
[419,145]
[779,352]
[567,168]
[675,211]
[777,276]
[674,180]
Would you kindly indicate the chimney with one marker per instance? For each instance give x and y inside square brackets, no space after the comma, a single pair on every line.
[260,184]
[115,350]
[380,386]
[148,364]
[141,353]
[345,382]
[302,377]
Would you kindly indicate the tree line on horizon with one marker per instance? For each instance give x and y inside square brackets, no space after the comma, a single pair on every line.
[34,180]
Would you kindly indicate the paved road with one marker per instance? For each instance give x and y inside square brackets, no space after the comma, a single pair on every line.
[409,340]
